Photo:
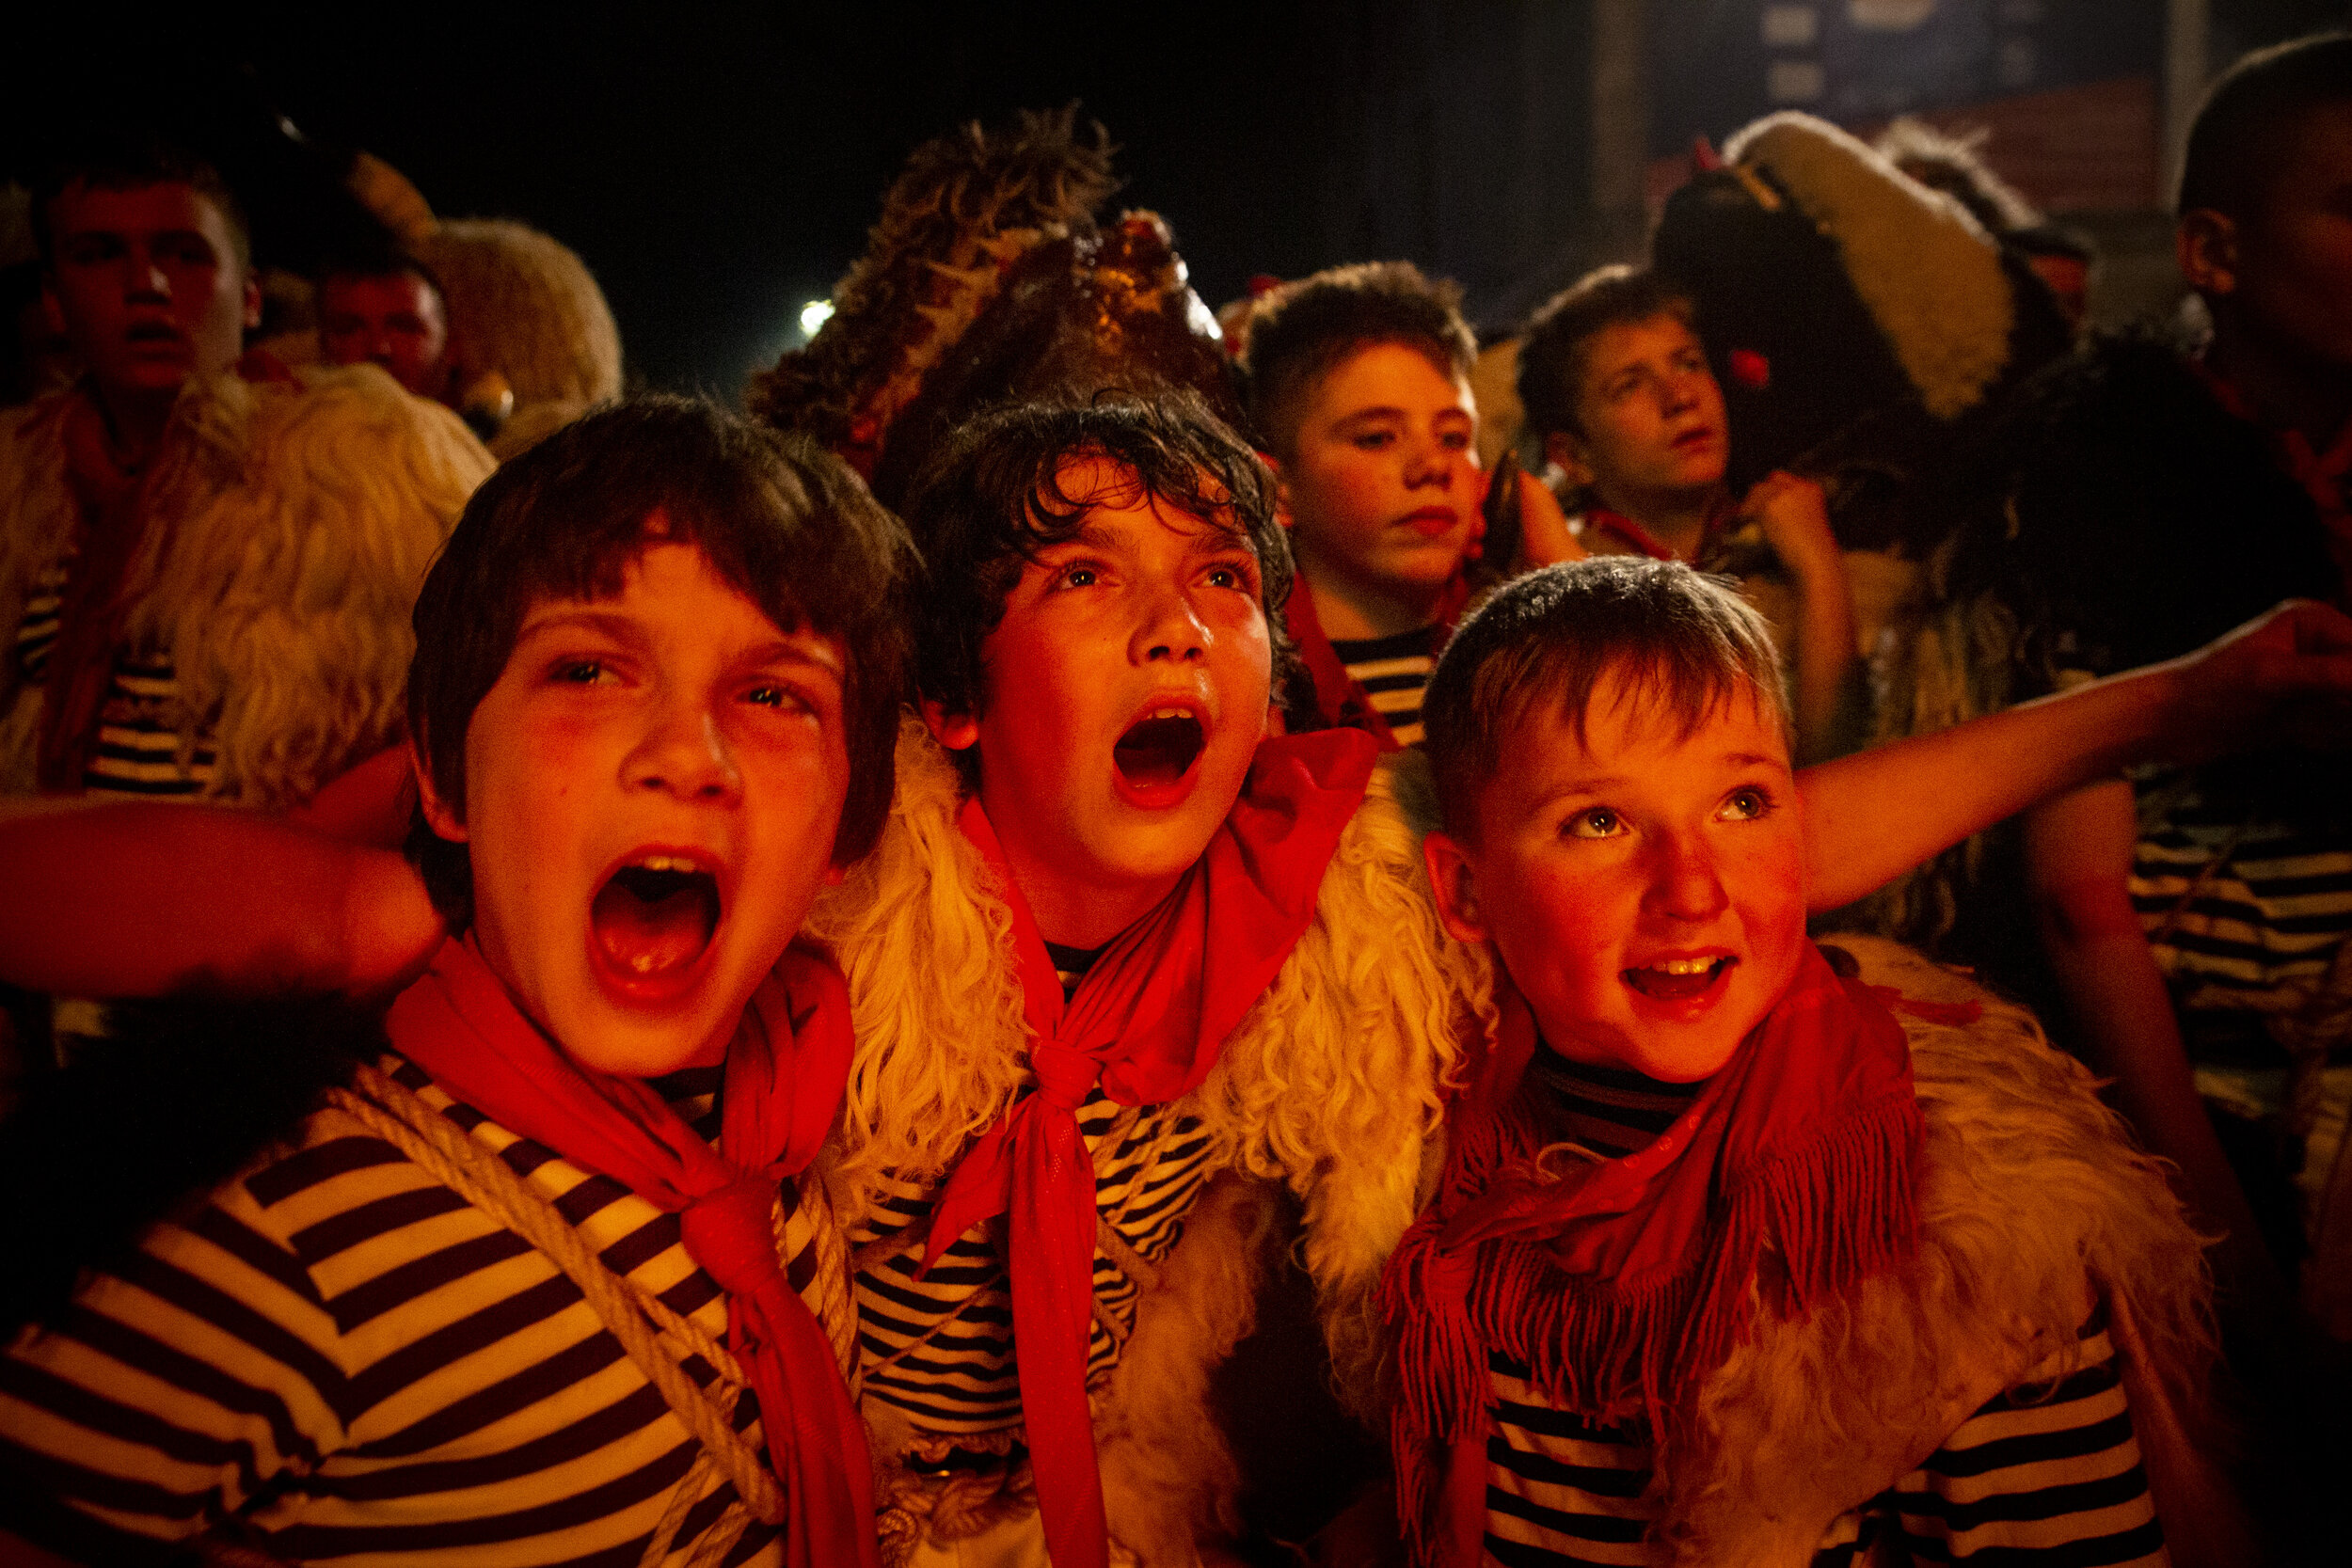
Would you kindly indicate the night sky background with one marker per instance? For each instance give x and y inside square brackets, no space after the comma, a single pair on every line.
[718,163]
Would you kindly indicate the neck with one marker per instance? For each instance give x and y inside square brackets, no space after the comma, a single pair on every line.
[1350,610]
[135,419]
[1676,518]
[1074,912]
[2285,389]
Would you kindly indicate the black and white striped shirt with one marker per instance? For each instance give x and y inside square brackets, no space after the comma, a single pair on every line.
[2048,1473]
[941,1348]
[139,748]
[1394,671]
[336,1356]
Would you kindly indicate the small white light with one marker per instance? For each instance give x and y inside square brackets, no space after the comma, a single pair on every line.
[815,314]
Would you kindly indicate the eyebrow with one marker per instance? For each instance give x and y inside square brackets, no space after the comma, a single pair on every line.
[811,649]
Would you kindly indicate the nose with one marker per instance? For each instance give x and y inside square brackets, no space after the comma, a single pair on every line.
[1430,464]
[1685,883]
[684,752]
[148,279]
[1168,629]
[1680,391]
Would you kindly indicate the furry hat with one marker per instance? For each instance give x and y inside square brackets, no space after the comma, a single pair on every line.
[1832,289]
[988,277]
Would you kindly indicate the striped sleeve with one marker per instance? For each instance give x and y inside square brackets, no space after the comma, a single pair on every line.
[350,1361]
[2047,1474]
[174,1393]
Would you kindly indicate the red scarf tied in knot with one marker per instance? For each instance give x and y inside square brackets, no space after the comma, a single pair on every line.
[1146,1022]
[1623,1283]
[786,1070]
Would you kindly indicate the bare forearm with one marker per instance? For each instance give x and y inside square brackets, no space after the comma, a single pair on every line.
[1876,813]
[135,898]
[1825,661]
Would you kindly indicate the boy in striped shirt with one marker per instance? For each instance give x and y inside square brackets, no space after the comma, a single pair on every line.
[1736,1258]
[540,1279]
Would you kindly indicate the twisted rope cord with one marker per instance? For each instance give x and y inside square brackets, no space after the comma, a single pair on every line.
[453,1157]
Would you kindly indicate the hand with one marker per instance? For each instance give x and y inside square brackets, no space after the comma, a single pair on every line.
[2286,676]
[1794,517]
[1545,537]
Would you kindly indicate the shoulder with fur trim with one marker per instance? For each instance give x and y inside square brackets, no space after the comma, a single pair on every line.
[2034,1205]
[302,521]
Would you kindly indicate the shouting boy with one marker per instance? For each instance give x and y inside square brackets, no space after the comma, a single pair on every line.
[541,1279]
[1737,1258]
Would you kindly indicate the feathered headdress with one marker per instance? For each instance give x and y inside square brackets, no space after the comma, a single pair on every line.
[988,277]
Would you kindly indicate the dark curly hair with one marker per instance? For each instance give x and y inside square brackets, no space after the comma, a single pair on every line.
[990,499]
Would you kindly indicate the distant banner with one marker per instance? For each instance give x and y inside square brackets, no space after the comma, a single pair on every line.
[2067,88]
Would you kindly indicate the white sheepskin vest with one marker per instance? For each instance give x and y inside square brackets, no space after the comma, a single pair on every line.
[288,528]
[2034,1203]
[1330,1085]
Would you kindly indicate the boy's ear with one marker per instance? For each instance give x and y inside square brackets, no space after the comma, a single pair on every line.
[2206,242]
[1282,487]
[252,303]
[448,823]
[955,731]
[1456,882]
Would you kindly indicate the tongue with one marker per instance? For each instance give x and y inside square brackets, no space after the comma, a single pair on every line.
[649,936]
[1661,987]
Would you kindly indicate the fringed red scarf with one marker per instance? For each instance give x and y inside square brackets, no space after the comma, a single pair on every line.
[1623,1283]
[1340,697]
[1146,1022]
[786,1072]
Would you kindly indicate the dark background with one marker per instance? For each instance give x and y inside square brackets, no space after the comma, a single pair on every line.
[718,163]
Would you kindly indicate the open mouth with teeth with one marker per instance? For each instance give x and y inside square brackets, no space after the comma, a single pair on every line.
[1679,979]
[1159,749]
[655,916]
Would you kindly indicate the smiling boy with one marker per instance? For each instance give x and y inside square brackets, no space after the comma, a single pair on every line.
[1735,1258]
[542,1278]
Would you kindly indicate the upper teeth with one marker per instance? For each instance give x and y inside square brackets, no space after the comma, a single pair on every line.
[666,863]
[1171,713]
[1685,966]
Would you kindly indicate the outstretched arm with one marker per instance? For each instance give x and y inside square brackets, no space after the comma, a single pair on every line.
[1876,813]
[138,898]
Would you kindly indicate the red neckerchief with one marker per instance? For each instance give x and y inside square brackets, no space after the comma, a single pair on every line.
[1147,1021]
[785,1075]
[2323,475]
[1340,698]
[1625,1282]
[1646,543]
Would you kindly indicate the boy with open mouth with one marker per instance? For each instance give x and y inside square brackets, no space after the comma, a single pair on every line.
[543,1275]
[1115,942]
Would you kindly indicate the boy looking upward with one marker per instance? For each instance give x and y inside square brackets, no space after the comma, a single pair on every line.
[1732,1260]
[1616,385]
[1358,389]
[542,1278]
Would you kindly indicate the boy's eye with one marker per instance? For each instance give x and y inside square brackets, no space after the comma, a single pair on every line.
[781,698]
[1078,576]
[1374,440]
[579,672]
[1230,577]
[1745,805]
[1598,823]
